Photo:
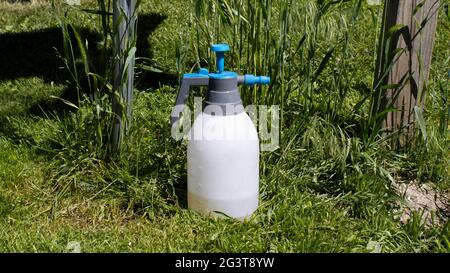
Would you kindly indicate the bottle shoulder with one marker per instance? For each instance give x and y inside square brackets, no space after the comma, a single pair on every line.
[232,127]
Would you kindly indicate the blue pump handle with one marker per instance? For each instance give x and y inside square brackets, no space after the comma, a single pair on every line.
[220,50]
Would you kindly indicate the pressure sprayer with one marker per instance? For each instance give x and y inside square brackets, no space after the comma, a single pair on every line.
[223,147]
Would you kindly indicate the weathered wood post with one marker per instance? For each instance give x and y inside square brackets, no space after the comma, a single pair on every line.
[404,57]
[124,42]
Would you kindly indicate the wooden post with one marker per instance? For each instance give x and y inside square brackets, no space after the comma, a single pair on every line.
[409,68]
[124,42]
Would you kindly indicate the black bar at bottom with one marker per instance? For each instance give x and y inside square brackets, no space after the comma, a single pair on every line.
[223,262]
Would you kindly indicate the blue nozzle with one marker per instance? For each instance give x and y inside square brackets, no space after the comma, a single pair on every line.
[220,50]
[252,80]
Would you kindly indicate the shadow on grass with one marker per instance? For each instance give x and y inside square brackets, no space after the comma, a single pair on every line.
[147,23]
[38,54]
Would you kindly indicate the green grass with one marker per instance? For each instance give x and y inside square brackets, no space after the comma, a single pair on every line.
[322,191]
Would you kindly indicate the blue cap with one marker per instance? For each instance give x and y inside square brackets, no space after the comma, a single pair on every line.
[223,75]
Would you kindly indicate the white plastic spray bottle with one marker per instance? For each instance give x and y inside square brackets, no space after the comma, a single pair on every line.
[223,148]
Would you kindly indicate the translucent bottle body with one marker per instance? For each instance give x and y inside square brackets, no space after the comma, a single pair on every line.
[223,166]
